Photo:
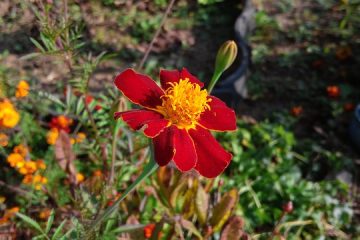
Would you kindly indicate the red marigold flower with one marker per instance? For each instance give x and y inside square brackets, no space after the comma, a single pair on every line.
[333,91]
[148,230]
[61,123]
[178,117]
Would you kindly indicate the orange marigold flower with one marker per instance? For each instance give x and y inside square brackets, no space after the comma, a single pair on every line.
[178,117]
[4,140]
[28,179]
[9,117]
[80,137]
[80,177]
[52,136]
[15,160]
[349,107]
[45,214]
[97,173]
[21,149]
[40,164]
[61,123]
[333,91]
[29,167]
[148,230]
[22,89]
[296,111]
[8,214]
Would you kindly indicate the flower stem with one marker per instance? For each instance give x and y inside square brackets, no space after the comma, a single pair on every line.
[148,170]
[213,81]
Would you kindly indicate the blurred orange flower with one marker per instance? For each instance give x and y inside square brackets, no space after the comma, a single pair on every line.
[40,164]
[9,117]
[80,177]
[97,173]
[4,140]
[333,91]
[45,214]
[52,136]
[15,160]
[296,111]
[80,137]
[21,149]
[22,89]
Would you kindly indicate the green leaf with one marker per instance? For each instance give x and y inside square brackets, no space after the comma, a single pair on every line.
[201,204]
[148,170]
[37,44]
[58,231]
[190,227]
[222,210]
[50,221]
[30,222]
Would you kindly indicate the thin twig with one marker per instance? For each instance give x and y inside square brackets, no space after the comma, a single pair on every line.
[148,50]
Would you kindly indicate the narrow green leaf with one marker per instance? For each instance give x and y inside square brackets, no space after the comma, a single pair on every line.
[127,228]
[50,221]
[58,231]
[148,170]
[31,222]
[37,44]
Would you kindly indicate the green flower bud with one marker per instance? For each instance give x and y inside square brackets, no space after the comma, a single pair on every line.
[226,56]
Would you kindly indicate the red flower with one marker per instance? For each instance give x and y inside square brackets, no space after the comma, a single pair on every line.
[296,111]
[61,123]
[333,91]
[178,117]
[148,230]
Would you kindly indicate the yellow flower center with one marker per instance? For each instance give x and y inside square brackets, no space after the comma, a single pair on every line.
[183,103]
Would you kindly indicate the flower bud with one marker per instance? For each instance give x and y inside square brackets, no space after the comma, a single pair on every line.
[226,56]
[288,207]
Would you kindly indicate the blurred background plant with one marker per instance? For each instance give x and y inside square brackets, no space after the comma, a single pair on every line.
[64,159]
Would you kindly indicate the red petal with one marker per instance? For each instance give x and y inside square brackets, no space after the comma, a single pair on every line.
[168,76]
[212,158]
[152,122]
[140,89]
[219,117]
[164,146]
[185,155]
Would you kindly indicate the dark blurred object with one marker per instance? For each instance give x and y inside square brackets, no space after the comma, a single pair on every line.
[355,128]
[233,88]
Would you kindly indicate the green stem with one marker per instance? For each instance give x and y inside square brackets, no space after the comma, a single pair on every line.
[148,170]
[213,81]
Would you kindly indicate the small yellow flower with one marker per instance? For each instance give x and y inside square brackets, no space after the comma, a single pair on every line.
[72,141]
[80,137]
[21,149]
[9,117]
[52,136]
[80,177]
[15,159]
[2,199]
[4,140]
[22,89]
